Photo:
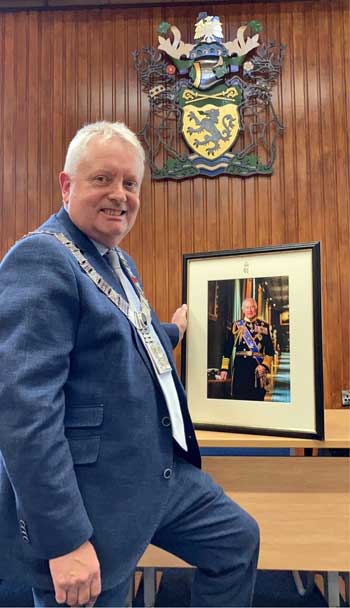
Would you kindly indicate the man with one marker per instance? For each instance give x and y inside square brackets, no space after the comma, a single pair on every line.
[253,354]
[99,456]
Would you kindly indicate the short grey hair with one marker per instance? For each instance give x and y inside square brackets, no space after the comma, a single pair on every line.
[246,300]
[106,131]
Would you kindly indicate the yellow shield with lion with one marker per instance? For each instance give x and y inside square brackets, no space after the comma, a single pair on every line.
[210,126]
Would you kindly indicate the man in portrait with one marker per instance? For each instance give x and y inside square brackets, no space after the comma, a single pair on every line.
[250,346]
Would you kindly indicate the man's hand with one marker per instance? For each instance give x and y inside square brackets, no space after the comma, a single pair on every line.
[223,375]
[180,319]
[261,370]
[76,576]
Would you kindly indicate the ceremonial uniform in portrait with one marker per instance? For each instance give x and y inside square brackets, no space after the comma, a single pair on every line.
[248,345]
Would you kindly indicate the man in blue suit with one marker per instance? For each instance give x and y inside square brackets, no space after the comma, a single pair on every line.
[98,453]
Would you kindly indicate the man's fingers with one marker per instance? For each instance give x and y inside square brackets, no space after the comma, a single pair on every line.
[72,596]
[84,596]
[80,594]
[95,588]
[60,594]
[73,574]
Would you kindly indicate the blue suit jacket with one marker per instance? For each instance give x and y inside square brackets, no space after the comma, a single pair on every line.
[83,438]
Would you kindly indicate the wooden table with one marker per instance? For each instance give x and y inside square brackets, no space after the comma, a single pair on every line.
[337,435]
[301,503]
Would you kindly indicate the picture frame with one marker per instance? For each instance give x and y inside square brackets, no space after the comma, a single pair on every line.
[259,372]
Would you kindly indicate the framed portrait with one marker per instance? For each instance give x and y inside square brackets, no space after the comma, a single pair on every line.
[252,353]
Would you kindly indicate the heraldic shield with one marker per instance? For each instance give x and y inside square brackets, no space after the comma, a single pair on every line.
[210,122]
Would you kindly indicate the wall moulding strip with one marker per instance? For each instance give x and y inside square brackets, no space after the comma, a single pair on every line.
[8,5]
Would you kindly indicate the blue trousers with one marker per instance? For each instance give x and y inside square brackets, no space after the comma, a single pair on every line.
[207,529]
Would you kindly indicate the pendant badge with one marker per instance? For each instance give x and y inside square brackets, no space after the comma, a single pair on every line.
[156,353]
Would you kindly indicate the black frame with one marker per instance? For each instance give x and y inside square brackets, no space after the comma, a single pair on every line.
[314,247]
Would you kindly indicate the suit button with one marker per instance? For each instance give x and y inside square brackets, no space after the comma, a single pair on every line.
[167,473]
[166,421]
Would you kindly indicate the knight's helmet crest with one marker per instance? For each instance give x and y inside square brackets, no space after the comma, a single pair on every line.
[208,53]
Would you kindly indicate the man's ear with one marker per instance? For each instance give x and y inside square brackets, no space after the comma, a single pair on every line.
[65,184]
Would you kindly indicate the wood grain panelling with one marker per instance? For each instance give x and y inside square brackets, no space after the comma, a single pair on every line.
[62,68]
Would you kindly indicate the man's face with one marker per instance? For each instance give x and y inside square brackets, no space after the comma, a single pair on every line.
[249,308]
[102,197]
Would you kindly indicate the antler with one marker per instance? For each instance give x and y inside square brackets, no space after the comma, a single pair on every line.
[240,46]
[177,48]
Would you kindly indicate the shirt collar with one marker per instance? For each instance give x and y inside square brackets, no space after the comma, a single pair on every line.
[102,249]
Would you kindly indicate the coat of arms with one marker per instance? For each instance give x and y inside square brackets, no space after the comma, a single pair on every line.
[211,97]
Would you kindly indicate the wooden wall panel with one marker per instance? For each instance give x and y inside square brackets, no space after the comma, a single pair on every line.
[62,68]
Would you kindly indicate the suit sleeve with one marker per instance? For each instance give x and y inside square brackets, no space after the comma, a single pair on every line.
[268,351]
[172,331]
[228,346]
[39,315]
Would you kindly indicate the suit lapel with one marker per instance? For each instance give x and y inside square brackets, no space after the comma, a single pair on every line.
[88,249]
[61,222]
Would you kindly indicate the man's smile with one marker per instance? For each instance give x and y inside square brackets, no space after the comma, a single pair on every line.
[114,212]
